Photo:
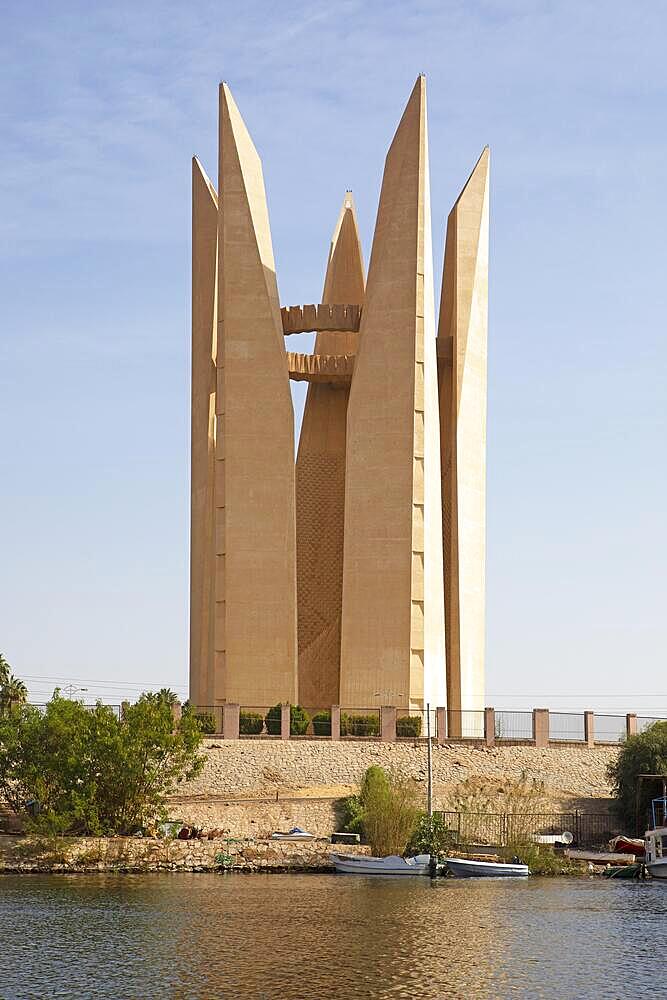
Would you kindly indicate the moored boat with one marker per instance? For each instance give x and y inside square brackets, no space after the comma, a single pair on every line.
[464,868]
[655,840]
[360,864]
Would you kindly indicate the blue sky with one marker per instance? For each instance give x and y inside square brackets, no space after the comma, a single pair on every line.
[101,109]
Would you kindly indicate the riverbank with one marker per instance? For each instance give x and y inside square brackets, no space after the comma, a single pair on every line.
[54,855]
[21,855]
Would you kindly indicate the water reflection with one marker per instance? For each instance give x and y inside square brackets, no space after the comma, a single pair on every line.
[296,937]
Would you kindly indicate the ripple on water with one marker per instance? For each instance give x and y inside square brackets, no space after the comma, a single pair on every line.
[199,937]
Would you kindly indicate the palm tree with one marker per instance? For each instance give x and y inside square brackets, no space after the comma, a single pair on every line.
[14,691]
[167,696]
[4,671]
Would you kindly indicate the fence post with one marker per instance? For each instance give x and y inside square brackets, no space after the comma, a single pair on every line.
[490,726]
[441,724]
[631,724]
[335,722]
[231,715]
[388,724]
[541,727]
[285,719]
[589,729]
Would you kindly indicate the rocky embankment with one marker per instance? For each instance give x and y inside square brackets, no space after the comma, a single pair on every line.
[144,854]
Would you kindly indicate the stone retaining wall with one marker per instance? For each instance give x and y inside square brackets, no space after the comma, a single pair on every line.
[573,776]
[135,854]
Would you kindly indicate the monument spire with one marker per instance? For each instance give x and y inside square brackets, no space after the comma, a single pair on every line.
[255,585]
[204,322]
[392,625]
[462,347]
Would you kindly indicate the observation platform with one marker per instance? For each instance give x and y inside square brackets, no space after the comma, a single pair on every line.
[315,318]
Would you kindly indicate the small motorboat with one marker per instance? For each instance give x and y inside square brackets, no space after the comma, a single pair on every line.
[296,833]
[463,868]
[360,864]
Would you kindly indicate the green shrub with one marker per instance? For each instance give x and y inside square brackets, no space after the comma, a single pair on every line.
[643,753]
[322,724]
[359,725]
[432,836]
[299,720]
[385,811]
[250,723]
[409,725]
[206,722]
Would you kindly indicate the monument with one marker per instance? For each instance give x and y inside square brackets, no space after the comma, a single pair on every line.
[355,574]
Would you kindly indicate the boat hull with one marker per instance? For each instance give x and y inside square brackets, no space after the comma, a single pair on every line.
[658,869]
[462,868]
[359,864]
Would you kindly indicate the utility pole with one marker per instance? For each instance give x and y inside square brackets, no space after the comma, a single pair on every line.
[430,760]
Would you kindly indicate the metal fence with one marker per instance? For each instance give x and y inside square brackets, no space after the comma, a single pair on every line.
[256,720]
[210,718]
[609,728]
[463,725]
[504,829]
[414,723]
[116,709]
[566,727]
[360,723]
[317,722]
[513,725]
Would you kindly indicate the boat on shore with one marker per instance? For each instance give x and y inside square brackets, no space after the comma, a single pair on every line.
[464,868]
[655,840]
[361,864]
[627,845]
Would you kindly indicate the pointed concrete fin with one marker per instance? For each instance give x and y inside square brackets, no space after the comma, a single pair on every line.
[199,176]
[204,267]
[255,618]
[344,281]
[465,241]
[393,636]
[240,172]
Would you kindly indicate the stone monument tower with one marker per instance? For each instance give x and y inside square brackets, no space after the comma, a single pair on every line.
[355,574]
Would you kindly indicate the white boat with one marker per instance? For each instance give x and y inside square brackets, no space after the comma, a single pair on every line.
[296,833]
[360,864]
[655,841]
[463,868]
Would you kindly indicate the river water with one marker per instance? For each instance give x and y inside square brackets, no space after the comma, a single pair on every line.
[297,937]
